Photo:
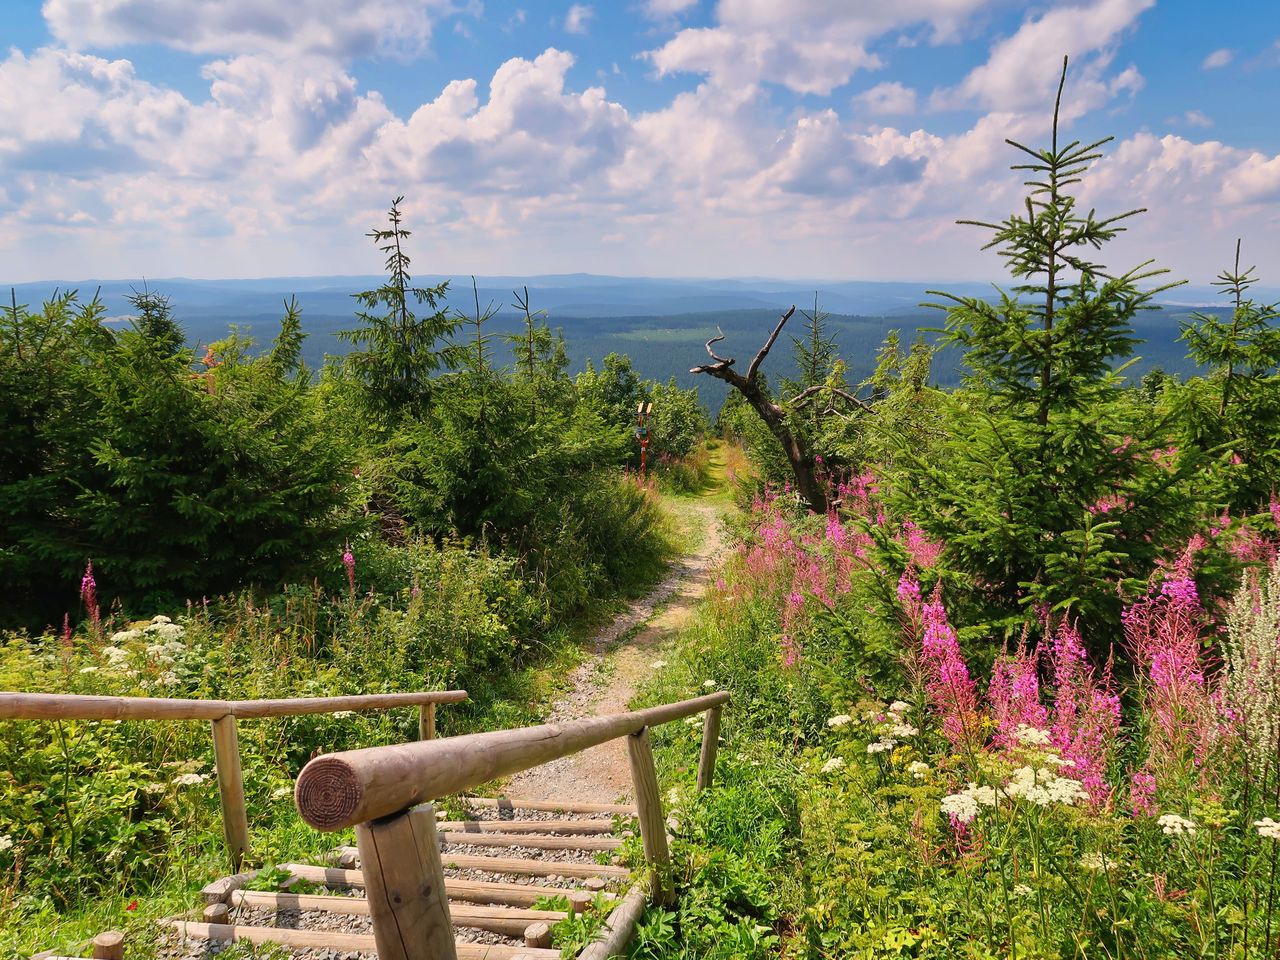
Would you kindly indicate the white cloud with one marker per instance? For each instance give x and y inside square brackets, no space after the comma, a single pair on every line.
[888,98]
[666,9]
[1192,118]
[578,17]
[809,46]
[339,28]
[282,165]
[1022,71]
[1218,59]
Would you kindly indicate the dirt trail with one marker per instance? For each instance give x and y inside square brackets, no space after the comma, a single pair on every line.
[607,680]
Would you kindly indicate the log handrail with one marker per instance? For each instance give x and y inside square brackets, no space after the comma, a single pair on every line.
[222,716]
[386,794]
[340,790]
[68,706]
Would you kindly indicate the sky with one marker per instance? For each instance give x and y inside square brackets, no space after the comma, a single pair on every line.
[796,139]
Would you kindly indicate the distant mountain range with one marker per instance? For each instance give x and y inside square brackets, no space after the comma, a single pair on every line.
[660,322]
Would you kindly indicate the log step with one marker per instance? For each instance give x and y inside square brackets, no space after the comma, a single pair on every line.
[345,942]
[532,841]
[509,921]
[535,868]
[474,891]
[527,826]
[530,868]
[551,806]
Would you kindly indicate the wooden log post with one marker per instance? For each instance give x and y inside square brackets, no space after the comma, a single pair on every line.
[427,721]
[404,882]
[710,744]
[653,827]
[109,946]
[235,821]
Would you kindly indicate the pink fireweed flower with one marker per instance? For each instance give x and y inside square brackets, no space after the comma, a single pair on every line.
[1085,721]
[349,562]
[1014,696]
[1142,794]
[922,551]
[89,597]
[1162,632]
[952,692]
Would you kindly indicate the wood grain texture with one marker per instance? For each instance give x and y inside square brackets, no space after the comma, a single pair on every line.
[550,806]
[653,826]
[235,819]
[710,745]
[612,938]
[404,884]
[342,789]
[533,841]
[345,942]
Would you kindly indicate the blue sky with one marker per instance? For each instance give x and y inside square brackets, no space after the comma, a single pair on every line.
[789,138]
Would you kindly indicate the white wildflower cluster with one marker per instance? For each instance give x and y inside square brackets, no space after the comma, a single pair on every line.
[6,842]
[189,779]
[890,727]
[1043,787]
[339,714]
[694,721]
[114,656]
[918,769]
[964,806]
[832,765]
[658,664]
[1098,863]
[1022,890]
[1267,828]
[1030,736]
[709,684]
[839,720]
[163,628]
[279,793]
[1173,825]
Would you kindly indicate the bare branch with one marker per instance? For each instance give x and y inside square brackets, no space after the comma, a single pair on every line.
[773,337]
[807,394]
[712,354]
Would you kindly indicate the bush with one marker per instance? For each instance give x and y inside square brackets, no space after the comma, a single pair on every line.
[175,483]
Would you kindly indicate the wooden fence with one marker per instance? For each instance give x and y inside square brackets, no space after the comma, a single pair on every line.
[222,715]
[385,793]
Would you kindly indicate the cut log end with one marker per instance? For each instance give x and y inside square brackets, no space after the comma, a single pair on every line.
[327,793]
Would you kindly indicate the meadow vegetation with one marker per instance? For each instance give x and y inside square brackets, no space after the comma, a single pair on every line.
[1016,691]
[1012,690]
[237,526]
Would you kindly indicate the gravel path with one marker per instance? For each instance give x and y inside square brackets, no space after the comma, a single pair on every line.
[607,680]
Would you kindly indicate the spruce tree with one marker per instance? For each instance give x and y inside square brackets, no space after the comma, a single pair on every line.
[1050,487]
[398,350]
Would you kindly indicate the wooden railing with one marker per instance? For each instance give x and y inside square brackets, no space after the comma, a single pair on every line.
[385,793]
[222,714]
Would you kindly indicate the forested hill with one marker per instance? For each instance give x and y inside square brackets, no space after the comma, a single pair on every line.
[660,323]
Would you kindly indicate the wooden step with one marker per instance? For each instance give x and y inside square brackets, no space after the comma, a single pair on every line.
[345,942]
[474,891]
[509,921]
[531,868]
[527,826]
[550,806]
[534,868]
[532,841]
